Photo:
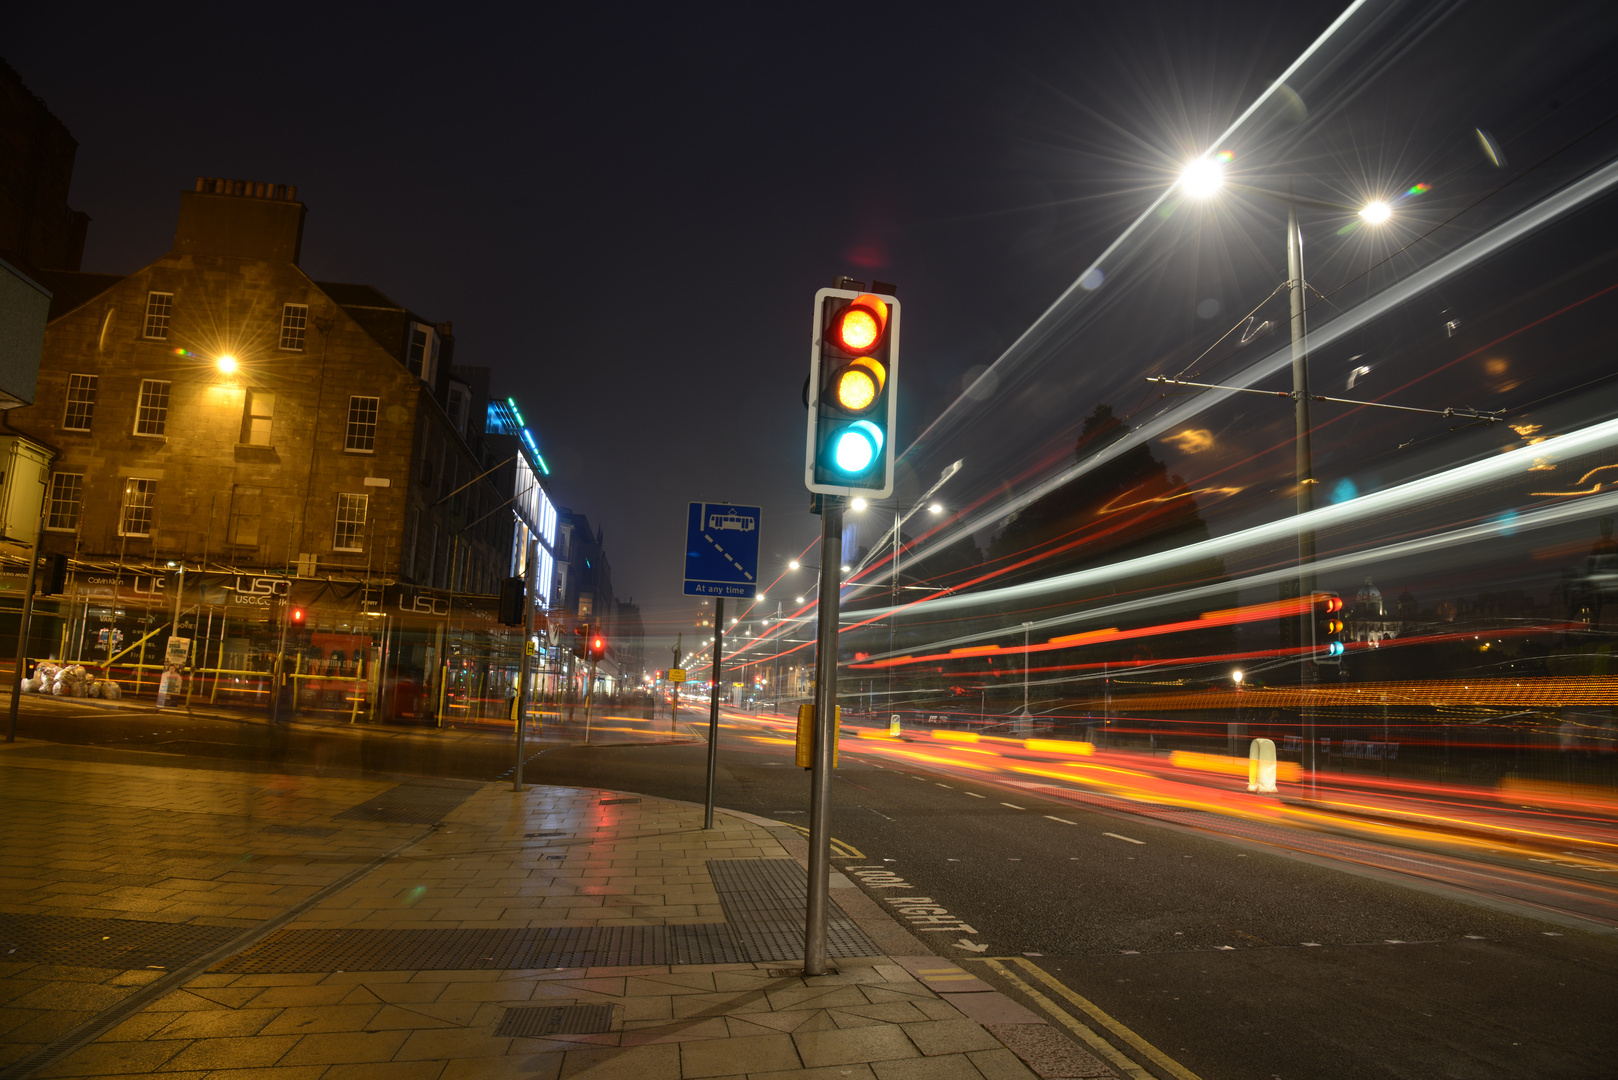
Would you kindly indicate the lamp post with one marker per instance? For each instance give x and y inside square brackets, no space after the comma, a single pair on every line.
[1025,718]
[1202,178]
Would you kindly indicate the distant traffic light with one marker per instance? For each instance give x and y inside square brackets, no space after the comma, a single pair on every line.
[1328,625]
[581,635]
[296,616]
[513,591]
[598,646]
[853,393]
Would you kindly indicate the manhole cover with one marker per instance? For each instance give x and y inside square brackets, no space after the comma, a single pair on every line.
[535,1021]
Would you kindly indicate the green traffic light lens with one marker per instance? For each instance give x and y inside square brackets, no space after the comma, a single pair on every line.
[857,446]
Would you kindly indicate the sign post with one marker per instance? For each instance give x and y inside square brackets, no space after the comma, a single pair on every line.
[721,559]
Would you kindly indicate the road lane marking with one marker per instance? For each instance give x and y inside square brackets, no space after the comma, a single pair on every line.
[943,785]
[1014,806]
[1062,1016]
[974,794]
[1152,1053]
[1117,836]
[1063,820]
[840,849]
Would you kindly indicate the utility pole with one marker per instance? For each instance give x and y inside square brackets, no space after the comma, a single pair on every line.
[1305,468]
[674,687]
[825,741]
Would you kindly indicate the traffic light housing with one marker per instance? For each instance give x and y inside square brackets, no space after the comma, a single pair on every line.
[1328,614]
[581,635]
[513,592]
[597,646]
[853,394]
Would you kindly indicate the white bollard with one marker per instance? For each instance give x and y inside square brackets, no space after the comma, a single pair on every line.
[1261,767]
[893,725]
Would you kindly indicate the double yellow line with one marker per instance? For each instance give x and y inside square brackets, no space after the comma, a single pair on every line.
[1126,1066]
[839,849]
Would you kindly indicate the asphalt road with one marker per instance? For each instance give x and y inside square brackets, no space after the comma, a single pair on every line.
[1233,958]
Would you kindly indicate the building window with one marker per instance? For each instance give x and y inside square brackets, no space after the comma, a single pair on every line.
[67,491]
[422,358]
[460,402]
[159,305]
[258,418]
[361,436]
[350,535]
[245,508]
[152,411]
[81,402]
[294,320]
[140,498]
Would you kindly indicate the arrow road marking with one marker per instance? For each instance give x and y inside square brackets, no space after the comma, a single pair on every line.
[970,946]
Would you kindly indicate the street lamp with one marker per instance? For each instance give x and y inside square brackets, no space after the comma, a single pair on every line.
[898,525]
[226,364]
[1201,178]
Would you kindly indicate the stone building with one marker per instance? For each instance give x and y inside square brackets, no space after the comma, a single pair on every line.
[218,411]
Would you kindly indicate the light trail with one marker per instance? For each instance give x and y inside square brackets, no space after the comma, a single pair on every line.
[1509,232]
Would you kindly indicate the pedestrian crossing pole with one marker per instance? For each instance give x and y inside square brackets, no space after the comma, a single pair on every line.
[524,665]
[825,739]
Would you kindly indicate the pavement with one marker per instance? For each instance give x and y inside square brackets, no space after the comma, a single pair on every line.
[225,921]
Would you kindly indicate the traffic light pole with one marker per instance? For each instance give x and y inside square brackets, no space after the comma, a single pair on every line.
[523,665]
[825,720]
[22,625]
[713,709]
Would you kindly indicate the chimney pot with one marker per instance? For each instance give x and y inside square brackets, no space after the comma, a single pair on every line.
[199,183]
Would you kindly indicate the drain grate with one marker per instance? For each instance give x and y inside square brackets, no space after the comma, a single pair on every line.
[415,802]
[616,802]
[298,830]
[538,1020]
[106,943]
[764,902]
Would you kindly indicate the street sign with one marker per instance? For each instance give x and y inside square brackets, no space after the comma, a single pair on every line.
[721,550]
[677,675]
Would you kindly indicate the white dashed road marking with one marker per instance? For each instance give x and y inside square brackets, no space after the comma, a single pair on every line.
[1063,820]
[1116,836]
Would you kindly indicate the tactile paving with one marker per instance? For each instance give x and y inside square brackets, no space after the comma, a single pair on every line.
[534,1021]
[414,802]
[106,943]
[765,902]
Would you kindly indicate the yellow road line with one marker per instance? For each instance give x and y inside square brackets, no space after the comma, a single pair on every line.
[1152,1053]
[840,849]
[1096,1042]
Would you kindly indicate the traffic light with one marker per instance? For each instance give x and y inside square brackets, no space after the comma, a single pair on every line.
[513,591]
[580,634]
[598,646]
[853,394]
[1328,626]
[295,617]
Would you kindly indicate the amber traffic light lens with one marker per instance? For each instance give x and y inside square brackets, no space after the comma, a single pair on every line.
[856,390]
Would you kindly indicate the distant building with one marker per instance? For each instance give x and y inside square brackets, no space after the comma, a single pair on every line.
[37,226]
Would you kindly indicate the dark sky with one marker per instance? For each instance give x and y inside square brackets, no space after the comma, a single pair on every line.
[626,211]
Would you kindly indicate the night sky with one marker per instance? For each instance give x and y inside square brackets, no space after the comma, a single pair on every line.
[626,211]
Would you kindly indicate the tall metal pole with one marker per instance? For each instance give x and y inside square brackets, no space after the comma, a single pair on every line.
[523,664]
[825,719]
[713,709]
[1305,466]
[674,695]
[775,679]
[24,619]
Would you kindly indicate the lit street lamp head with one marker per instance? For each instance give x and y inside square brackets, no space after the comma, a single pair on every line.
[1203,177]
[857,504]
[1375,213]
[936,508]
[793,565]
[226,364]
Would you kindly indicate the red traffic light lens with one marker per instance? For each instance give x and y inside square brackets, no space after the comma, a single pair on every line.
[597,644]
[860,326]
[297,614]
